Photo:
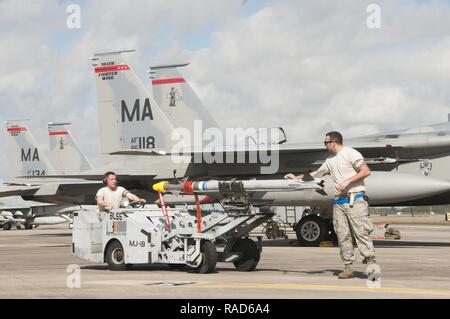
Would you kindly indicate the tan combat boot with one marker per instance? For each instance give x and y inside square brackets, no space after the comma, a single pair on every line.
[347,273]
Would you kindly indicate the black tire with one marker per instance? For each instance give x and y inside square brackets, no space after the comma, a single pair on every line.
[209,258]
[28,226]
[177,266]
[7,226]
[333,237]
[114,256]
[250,254]
[311,231]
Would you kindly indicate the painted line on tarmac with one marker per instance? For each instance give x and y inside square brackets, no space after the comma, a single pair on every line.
[127,283]
[426,227]
[325,287]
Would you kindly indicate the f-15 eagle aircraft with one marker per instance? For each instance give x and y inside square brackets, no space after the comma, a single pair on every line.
[132,125]
[26,157]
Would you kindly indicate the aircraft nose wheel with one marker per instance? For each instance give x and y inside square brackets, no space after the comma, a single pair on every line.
[249,252]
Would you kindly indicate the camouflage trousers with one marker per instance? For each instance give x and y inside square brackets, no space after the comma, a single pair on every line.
[353,226]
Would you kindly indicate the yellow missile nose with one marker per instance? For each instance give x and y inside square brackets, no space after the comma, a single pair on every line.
[159,187]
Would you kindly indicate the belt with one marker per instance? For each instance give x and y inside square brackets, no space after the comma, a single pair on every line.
[346,200]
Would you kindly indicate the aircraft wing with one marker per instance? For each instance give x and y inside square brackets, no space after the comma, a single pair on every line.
[17,207]
[52,190]
[36,181]
[283,148]
[360,144]
[383,160]
[17,190]
[153,164]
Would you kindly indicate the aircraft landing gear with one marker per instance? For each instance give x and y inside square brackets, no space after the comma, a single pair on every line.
[272,229]
[311,230]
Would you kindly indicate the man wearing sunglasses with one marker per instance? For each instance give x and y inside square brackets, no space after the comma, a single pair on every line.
[350,208]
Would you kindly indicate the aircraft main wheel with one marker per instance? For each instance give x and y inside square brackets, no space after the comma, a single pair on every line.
[7,226]
[249,252]
[209,258]
[115,256]
[311,231]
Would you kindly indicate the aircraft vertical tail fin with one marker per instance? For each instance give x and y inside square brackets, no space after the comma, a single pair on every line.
[129,117]
[182,105]
[25,157]
[177,99]
[65,155]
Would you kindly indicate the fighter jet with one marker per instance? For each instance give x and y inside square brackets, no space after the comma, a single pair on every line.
[168,83]
[27,158]
[417,161]
[29,166]
[139,140]
[140,126]
[167,78]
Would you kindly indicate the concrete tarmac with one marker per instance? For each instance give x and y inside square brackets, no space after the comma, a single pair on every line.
[34,264]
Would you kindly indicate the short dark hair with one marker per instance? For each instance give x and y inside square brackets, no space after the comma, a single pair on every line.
[106,175]
[335,136]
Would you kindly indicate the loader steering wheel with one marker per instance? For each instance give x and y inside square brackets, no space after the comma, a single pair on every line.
[137,204]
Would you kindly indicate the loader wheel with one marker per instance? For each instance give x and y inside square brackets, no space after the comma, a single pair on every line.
[250,254]
[115,256]
[177,266]
[311,231]
[7,226]
[209,258]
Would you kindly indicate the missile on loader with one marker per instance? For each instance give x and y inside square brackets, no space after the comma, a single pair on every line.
[382,188]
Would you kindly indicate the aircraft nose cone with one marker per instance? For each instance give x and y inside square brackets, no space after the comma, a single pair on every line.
[391,187]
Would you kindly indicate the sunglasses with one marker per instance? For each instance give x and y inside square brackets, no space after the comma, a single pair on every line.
[327,142]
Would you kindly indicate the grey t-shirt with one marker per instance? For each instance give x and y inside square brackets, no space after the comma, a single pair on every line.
[112,197]
[342,166]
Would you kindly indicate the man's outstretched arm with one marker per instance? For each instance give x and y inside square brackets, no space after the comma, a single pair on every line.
[292,176]
[134,198]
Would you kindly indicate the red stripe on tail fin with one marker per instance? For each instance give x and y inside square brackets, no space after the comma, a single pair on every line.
[168,81]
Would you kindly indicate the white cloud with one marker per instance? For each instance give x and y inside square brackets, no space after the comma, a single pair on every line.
[303,64]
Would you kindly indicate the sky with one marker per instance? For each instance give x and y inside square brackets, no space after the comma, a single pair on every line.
[308,66]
